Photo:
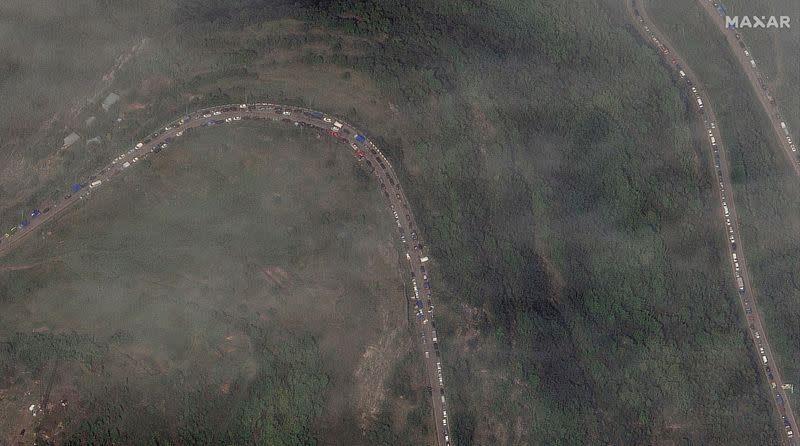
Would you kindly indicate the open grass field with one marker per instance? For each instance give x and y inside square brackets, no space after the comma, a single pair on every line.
[242,287]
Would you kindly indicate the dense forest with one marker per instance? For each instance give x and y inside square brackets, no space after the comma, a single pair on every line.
[554,169]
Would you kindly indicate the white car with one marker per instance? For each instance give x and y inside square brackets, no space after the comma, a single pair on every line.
[217,113]
[287,113]
[243,106]
[228,119]
[179,133]
[327,119]
[237,118]
[139,146]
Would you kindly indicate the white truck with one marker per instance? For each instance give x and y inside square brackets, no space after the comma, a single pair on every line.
[423,259]
[740,284]
[96,183]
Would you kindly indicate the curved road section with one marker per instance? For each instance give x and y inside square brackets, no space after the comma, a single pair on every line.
[738,262]
[757,82]
[340,131]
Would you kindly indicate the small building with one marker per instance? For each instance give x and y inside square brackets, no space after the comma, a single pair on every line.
[71,139]
[110,100]
[89,122]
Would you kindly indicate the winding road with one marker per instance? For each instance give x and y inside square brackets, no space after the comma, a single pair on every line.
[738,263]
[362,148]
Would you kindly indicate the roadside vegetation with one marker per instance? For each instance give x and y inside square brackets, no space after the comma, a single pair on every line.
[207,310]
[552,163]
[766,192]
[775,53]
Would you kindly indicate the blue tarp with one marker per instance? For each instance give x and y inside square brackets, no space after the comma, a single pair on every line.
[35,213]
[360,138]
[75,187]
[23,224]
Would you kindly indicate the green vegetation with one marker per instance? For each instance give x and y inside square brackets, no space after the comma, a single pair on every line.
[767,193]
[775,51]
[206,310]
[582,292]
[273,408]
[36,350]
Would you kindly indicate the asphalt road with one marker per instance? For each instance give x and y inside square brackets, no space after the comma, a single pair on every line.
[765,98]
[729,216]
[365,150]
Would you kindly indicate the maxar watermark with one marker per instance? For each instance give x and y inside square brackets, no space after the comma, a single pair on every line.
[757,22]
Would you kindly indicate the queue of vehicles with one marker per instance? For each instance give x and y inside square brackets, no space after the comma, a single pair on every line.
[740,283]
[357,142]
[764,87]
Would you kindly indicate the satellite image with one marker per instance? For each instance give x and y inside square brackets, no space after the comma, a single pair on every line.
[373,222]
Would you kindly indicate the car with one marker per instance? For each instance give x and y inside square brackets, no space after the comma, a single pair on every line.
[217,113]
[286,113]
[228,119]
[779,398]
[237,118]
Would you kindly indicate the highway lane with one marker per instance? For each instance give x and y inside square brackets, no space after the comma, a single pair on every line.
[736,252]
[362,147]
[757,82]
